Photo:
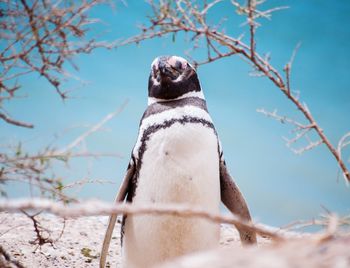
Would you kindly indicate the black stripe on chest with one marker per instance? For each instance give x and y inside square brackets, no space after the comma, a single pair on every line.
[154,128]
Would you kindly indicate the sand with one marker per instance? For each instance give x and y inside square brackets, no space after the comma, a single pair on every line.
[79,246]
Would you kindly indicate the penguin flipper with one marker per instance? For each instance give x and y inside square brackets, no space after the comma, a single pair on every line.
[233,199]
[122,192]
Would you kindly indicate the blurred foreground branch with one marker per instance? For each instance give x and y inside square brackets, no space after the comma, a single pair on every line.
[97,208]
[94,208]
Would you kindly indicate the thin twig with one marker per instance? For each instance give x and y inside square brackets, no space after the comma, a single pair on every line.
[95,128]
[15,122]
[288,67]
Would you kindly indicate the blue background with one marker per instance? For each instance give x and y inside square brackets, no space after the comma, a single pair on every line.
[280,186]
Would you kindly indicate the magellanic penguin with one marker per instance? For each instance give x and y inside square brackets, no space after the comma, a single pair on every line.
[177,159]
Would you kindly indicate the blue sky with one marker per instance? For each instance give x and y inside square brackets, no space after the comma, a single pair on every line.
[279,186]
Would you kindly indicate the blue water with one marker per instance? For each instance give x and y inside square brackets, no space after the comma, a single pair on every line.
[279,186]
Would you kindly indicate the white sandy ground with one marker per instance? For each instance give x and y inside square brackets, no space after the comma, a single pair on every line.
[80,243]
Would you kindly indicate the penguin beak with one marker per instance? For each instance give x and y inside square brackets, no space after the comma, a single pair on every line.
[166,70]
[162,67]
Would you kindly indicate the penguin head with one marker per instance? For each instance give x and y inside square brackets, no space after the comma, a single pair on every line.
[171,78]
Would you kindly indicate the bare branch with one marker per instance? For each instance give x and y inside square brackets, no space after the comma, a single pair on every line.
[86,181]
[42,37]
[343,142]
[283,119]
[42,234]
[95,128]
[300,130]
[288,67]
[34,169]
[15,122]
[209,6]
[251,6]
[310,146]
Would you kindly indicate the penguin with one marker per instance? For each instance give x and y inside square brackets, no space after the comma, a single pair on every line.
[178,159]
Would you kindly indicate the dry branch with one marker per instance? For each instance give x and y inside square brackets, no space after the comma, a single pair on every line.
[34,169]
[300,130]
[343,142]
[42,37]
[93,129]
[98,208]
[42,234]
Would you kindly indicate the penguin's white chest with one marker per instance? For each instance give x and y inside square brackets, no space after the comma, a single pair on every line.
[180,165]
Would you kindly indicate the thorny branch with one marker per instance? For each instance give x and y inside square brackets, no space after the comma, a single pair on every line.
[288,67]
[42,234]
[300,130]
[42,37]
[95,128]
[172,17]
[325,220]
[34,170]
[343,142]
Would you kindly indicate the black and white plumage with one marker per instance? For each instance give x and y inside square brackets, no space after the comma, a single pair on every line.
[177,159]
